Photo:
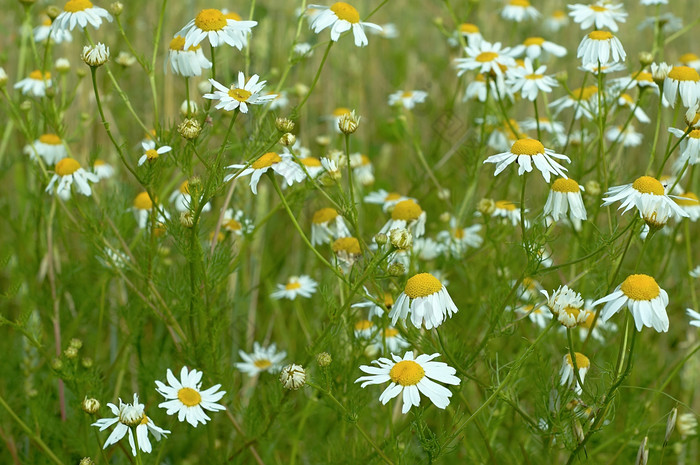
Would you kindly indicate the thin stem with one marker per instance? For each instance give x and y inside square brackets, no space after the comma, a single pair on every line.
[295,113]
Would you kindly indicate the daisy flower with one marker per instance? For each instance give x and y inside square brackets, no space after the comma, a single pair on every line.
[583,100]
[387,31]
[487,58]
[567,305]
[241,95]
[694,317]
[49,147]
[362,168]
[374,309]
[689,202]
[568,377]
[411,376]
[341,17]
[471,32]
[186,398]
[81,13]
[279,101]
[386,199]
[261,359]
[335,117]
[363,329]
[130,418]
[601,15]
[535,314]
[142,206]
[67,172]
[392,339]
[35,84]
[508,211]
[643,297]
[426,299]
[406,214]
[534,47]
[312,165]
[648,195]
[186,62]
[565,197]
[426,249]
[528,81]
[213,25]
[295,286]
[45,31]
[282,164]
[627,101]
[556,21]
[555,128]
[407,99]
[151,153]
[235,221]
[518,10]
[527,152]
[460,239]
[681,81]
[691,60]
[327,224]
[182,198]
[600,47]
[102,169]
[629,137]
[347,250]
[597,332]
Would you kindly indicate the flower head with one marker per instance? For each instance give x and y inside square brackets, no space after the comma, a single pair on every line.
[427,301]
[261,359]
[186,398]
[295,286]
[218,28]
[80,13]
[341,17]
[600,47]
[67,172]
[568,377]
[95,55]
[240,94]
[527,152]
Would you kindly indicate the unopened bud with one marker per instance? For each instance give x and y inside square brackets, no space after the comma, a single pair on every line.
[284,124]
[95,55]
[188,108]
[189,128]
[86,362]
[293,377]
[26,105]
[593,188]
[288,139]
[86,461]
[401,238]
[381,239]
[90,405]
[397,269]
[3,78]
[578,432]
[116,8]
[323,140]
[75,342]
[50,92]
[125,59]
[443,194]
[57,364]
[187,219]
[81,73]
[70,352]
[561,77]
[445,217]
[324,359]
[52,11]
[348,123]
[62,65]
[642,453]
[301,90]
[645,59]
[486,207]
[659,72]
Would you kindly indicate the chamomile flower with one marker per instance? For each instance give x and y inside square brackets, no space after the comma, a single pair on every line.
[689,202]
[556,21]
[406,214]
[471,32]
[392,339]
[364,329]
[567,305]
[600,47]
[386,199]
[240,95]
[235,222]
[535,47]
[427,301]
[629,137]
[312,165]
[459,239]
[568,377]
[261,359]
[555,128]
[279,101]
[694,317]
[49,147]
[67,172]
[648,195]
[407,99]
[327,224]
[80,13]
[691,60]
[282,164]
[213,25]
[342,17]
[519,10]
[669,23]
[643,297]
[362,168]
[535,314]
[35,84]
[142,206]
[565,197]
[374,309]
[186,62]
[182,198]
[411,376]
[347,250]
[527,152]
[682,81]
[600,15]
[186,398]
[102,169]
[598,331]
[529,81]
[387,31]
[426,249]
[507,210]
[627,101]
[151,153]
[486,58]
[583,100]
[295,286]
[45,31]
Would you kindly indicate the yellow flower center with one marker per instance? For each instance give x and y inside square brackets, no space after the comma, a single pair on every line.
[391,332]
[241,95]
[292,285]
[688,199]
[50,139]
[311,161]
[468,28]
[559,14]
[67,166]
[346,12]
[695,134]
[46,22]
[584,93]
[349,245]
[363,324]
[38,76]
[505,205]
[627,98]
[458,233]
[189,397]
[572,311]
[143,201]
[266,160]
[534,77]
[485,57]
[262,364]
[533,41]
[406,210]
[388,300]
[407,373]
[232,225]
[598,8]
[324,215]
[565,185]
[527,147]
[589,320]
[210,19]
[178,43]
[645,76]
[185,187]
[407,94]
[99,162]
[392,196]
[151,154]
[688,58]
[521,3]
[422,285]
[233,16]
[73,6]
[581,360]
[144,420]
[684,73]
[640,287]
[600,35]
[340,111]
[648,185]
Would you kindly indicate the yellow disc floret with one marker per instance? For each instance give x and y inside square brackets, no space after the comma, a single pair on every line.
[600,35]
[50,139]
[266,160]
[584,93]
[485,57]
[640,287]
[406,210]
[233,16]
[565,185]
[340,111]
[73,6]
[143,201]
[533,41]
[363,325]
[688,199]
[66,167]
[391,332]
[189,396]
[151,154]
[185,187]
[581,360]
[648,185]
[39,76]
[348,245]
[521,3]
[407,373]
[232,225]
[263,364]
[241,95]
[178,43]
[505,205]
[684,73]
[346,12]
[210,19]
[527,147]
[324,215]
[468,28]
[292,285]
[422,285]
[598,8]
[311,161]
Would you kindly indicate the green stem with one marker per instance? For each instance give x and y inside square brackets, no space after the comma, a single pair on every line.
[295,113]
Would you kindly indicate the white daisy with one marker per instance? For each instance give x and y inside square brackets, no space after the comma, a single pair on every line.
[341,17]
[282,164]
[669,23]
[556,21]
[261,359]
[67,172]
[459,239]
[80,13]
[393,340]
[335,116]
[487,58]
[235,221]
[142,206]
[151,153]
[411,376]
[49,147]
[519,10]
[387,31]
[186,397]
[648,195]
[653,2]
[471,32]
[279,101]
[213,25]
[600,47]
[567,305]
[426,249]
[600,15]
[682,81]
[629,137]
[241,95]
[568,377]
[598,332]
[386,199]
[364,329]
[347,250]
[627,101]
[643,297]
[694,317]
[528,81]
[35,84]
[186,62]
[555,128]
[182,198]
[426,299]
[535,47]
[527,152]
[565,197]
[406,214]
[44,31]
[374,309]
[583,100]
[362,169]
[102,169]
[327,224]
[689,202]
[407,99]
[535,314]
[690,59]
[507,210]
[295,286]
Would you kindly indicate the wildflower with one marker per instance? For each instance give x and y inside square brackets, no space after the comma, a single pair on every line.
[102,169]
[186,397]
[49,147]
[555,128]
[583,99]
[556,21]
[295,286]
[362,168]
[387,200]
[240,96]
[528,81]
[213,25]
[95,55]
[460,239]
[261,359]
[46,32]
[601,15]
[152,153]
[690,59]
[527,152]
[411,376]
[236,222]
[327,224]
[645,299]
[682,81]
[565,195]
[189,128]
[598,47]
[689,202]
[347,250]
[282,164]
[668,22]
[406,214]
[186,62]
[426,299]
[534,47]
[341,17]
[471,32]
[293,377]
[626,100]
[363,329]
[694,317]
[312,165]
[567,305]
[35,84]
[653,2]
[507,210]
[142,209]
[130,418]
[90,406]
[392,339]
[628,138]
[535,314]
[348,123]
[324,359]
[182,198]
[81,13]
[407,99]
[488,58]
[648,195]
[597,330]
[303,49]
[568,377]
[67,172]
[518,10]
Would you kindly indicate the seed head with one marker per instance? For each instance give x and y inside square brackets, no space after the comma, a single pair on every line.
[397,269]
[324,359]
[593,188]
[187,219]
[293,377]
[189,128]
[486,207]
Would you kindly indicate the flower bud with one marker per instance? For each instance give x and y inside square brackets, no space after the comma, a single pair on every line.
[401,238]
[188,108]
[686,424]
[52,11]
[95,55]
[301,90]
[670,424]
[57,364]
[397,269]
[561,77]
[86,362]
[125,59]
[90,405]
[444,194]
[288,139]
[116,8]
[593,188]
[189,128]
[348,123]
[642,453]
[62,65]
[324,359]
[86,461]
[486,207]
[381,239]
[323,140]
[293,377]
[70,352]
[645,59]
[3,78]
[445,217]
[659,72]
[284,124]
[75,342]
[187,219]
